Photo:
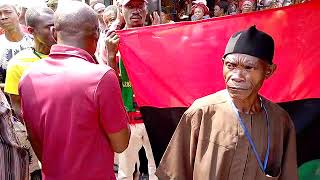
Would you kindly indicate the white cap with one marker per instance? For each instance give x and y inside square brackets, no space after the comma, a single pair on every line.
[200,1]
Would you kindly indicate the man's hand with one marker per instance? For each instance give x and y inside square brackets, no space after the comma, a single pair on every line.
[112,47]
[155,18]
[112,43]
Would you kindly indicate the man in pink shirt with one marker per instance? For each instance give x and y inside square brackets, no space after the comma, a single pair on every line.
[72,106]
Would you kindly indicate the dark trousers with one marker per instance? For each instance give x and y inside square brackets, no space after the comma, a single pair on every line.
[143,169]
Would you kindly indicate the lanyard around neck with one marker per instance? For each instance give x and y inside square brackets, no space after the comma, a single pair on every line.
[35,53]
[263,166]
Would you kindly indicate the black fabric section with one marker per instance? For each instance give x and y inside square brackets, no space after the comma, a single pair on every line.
[160,124]
[252,42]
[36,175]
[306,117]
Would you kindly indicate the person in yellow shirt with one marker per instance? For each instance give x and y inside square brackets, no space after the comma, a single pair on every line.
[39,22]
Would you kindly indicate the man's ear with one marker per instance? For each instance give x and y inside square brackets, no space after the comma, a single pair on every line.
[54,32]
[270,70]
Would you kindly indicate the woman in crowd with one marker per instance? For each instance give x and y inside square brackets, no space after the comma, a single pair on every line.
[199,11]
[221,8]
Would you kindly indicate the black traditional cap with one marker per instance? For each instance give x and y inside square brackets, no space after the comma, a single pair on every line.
[252,42]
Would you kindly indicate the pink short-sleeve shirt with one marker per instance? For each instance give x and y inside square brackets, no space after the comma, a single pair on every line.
[69,105]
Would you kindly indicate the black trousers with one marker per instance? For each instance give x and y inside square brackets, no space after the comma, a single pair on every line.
[143,169]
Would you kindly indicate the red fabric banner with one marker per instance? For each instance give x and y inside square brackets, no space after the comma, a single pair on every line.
[172,65]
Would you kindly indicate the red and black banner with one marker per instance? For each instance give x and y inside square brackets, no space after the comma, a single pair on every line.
[170,66]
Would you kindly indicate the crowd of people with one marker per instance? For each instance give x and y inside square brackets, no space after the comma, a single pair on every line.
[198,9]
[66,116]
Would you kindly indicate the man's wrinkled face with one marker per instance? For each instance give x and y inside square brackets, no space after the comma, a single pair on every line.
[109,17]
[135,13]
[247,6]
[42,31]
[198,13]
[244,75]
[9,18]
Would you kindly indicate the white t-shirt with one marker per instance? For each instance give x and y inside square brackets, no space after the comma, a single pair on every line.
[8,49]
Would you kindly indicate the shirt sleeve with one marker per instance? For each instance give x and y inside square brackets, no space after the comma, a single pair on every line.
[113,115]
[12,79]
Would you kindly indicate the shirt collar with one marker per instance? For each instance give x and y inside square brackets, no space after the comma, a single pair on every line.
[70,51]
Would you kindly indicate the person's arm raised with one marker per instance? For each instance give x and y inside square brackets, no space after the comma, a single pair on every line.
[155,18]
[112,47]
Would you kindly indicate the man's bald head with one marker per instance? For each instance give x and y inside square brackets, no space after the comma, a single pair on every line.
[76,22]
[75,17]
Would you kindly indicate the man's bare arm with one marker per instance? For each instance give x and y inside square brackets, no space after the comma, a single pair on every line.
[120,140]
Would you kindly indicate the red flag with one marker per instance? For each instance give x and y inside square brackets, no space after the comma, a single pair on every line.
[172,65]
